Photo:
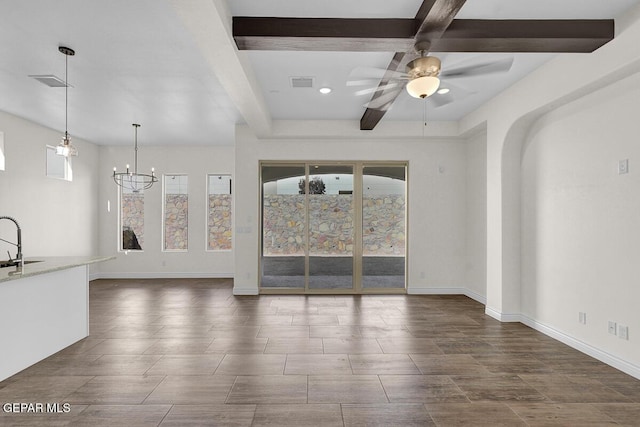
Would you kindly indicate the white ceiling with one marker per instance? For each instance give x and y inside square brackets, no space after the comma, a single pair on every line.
[137,61]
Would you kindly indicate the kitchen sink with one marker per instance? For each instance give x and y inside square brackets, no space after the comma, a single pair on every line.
[4,264]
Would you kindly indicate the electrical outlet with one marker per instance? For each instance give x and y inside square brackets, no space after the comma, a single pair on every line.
[623,332]
[582,317]
[612,328]
[623,166]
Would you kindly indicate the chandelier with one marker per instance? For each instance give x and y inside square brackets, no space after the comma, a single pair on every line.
[134,181]
[66,148]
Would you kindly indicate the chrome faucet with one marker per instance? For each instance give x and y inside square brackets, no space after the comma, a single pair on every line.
[19,260]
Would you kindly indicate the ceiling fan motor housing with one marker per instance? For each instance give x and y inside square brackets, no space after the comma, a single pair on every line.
[424,66]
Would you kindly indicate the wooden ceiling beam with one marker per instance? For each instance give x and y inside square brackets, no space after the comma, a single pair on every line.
[323,34]
[474,35]
[396,35]
[438,19]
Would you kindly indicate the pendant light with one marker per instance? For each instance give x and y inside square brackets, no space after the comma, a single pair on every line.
[66,148]
[134,181]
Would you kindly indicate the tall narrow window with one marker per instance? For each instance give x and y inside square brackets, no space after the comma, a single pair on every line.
[284,226]
[132,218]
[57,166]
[176,212]
[219,235]
[383,226]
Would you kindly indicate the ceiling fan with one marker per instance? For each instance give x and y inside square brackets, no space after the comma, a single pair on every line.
[423,78]
[435,23]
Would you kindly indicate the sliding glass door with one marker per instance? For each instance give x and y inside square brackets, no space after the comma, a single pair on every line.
[284,227]
[331,231]
[333,227]
[383,226]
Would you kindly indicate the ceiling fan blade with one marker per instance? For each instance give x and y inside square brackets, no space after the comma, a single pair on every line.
[371,90]
[456,93]
[374,73]
[380,102]
[366,82]
[386,107]
[499,66]
[375,82]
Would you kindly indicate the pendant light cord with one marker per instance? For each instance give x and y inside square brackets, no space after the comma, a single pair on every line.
[66,148]
[135,150]
[66,97]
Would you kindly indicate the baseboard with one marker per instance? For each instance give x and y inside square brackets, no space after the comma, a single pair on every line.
[502,317]
[476,296]
[447,291]
[588,349]
[245,291]
[160,275]
[572,342]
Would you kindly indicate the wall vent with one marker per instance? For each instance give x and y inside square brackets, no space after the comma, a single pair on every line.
[300,82]
[50,80]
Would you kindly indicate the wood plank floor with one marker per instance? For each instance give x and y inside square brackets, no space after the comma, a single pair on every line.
[187,352]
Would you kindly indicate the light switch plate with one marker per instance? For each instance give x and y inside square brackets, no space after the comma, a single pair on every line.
[623,166]
[623,332]
[582,317]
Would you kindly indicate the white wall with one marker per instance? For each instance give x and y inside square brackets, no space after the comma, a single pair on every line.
[436,201]
[194,161]
[581,221]
[476,225]
[507,118]
[58,218]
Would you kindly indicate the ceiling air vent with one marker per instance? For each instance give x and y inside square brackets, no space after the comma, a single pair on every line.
[50,80]
[298,82]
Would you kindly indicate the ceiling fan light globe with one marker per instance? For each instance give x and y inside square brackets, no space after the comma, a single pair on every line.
[423,87]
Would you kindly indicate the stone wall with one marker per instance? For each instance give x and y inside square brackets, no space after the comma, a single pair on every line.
[283,224]
[331,225]
[383,225]
[133,215]
[219,222]
[176,220]
[176,223]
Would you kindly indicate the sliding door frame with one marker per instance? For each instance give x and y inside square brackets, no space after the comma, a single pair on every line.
[357,168]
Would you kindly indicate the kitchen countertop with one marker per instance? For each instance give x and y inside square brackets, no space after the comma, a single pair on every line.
[48,265]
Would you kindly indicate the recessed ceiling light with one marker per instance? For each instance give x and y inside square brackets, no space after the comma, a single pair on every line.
[443,91]
[325,90]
